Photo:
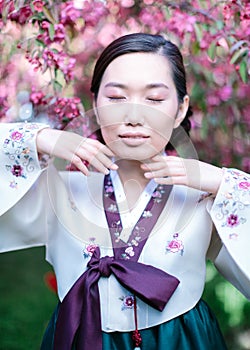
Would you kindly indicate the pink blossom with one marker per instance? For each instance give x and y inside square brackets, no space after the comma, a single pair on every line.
[108,33]
[127,3]
[225,93]
[21,15]
[38,5]
[37,97]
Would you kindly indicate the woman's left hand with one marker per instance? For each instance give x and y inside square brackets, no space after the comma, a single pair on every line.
[179,171]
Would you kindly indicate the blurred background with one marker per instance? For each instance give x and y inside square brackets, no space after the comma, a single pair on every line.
[47,52]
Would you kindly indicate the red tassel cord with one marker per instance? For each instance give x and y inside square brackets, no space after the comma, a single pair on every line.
[136,336]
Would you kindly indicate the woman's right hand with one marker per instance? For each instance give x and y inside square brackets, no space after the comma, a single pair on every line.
[76,149]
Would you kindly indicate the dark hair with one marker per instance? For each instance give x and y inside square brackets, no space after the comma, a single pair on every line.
[140,42]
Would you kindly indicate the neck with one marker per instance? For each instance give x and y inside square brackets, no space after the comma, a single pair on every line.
[130,171]
[133,180]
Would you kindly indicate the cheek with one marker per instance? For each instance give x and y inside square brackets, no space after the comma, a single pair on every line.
[109,132]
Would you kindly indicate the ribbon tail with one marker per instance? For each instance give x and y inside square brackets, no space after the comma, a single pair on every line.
[77,313]
[90,324]
[152,285]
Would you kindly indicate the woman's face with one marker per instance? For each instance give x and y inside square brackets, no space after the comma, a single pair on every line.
[137,105]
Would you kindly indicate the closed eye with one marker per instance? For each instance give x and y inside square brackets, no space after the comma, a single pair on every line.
[155,100]
[116,98]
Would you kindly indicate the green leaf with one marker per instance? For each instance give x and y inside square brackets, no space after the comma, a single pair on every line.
[51,32]
[49,15]
[198,31]
[40,43]
[204,129]
[238,54]
[220,24]
[57,86]
[212,50]
[243,71]
[60,77]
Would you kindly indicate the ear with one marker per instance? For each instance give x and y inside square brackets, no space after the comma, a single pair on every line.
[96,112]
[183,107]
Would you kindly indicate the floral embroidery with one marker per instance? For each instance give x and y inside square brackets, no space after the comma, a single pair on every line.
[204,196]
[232,220]
[112,208]
[16,135]
[89,248]
[244,185]
[175,245]
[233,236]
[147,214]
[127,302]
[230,205]
[13,184]
[20,161]
[17,170]
[109,189]
[157,194]
[129,252]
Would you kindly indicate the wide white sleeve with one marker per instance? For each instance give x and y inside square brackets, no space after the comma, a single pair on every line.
[230,213]
[22,187]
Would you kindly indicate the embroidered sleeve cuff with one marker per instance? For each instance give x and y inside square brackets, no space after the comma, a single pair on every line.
[19,163]
[231,215]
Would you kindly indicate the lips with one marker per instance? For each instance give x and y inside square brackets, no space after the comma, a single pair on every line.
[133,138]
[131,135]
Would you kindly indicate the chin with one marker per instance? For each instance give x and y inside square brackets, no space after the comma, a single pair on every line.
[135,153]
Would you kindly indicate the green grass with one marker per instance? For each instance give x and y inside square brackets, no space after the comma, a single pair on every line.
[26,303]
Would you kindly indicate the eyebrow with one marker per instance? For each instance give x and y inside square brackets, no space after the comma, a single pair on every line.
[124,87]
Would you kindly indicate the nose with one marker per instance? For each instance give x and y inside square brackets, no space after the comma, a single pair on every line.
[134,114]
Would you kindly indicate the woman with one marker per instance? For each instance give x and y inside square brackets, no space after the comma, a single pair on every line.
[129,242]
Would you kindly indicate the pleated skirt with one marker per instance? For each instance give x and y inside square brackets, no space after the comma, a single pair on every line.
[196,329]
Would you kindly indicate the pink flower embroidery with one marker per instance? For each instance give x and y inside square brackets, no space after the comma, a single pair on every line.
[89,249]
[244,185]
[17,170]
[233,220]
[109,189]
[157,194]
[16,136]
[175,245]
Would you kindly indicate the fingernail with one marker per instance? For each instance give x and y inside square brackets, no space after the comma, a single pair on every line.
[114,167]
[106,172]
[147,175]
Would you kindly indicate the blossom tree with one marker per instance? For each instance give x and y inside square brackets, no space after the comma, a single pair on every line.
[48,49]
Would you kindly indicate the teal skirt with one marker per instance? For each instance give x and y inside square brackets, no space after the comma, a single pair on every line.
[197,329]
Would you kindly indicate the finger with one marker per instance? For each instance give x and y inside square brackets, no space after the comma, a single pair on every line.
[106,161]
[102,163]
[165,172]
[97,158]
[153,166]
[78,163]
[98,146]
[107,151]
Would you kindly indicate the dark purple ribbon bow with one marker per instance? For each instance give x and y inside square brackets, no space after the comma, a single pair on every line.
[80,310]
